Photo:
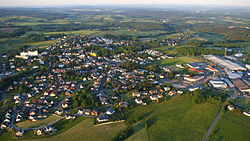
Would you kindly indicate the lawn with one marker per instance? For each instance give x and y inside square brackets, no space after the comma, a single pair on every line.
[177,60]
[174,119]
[85,131]
[244,102]
[39,123]
[232,127]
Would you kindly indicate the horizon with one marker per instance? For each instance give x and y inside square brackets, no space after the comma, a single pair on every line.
[69,3]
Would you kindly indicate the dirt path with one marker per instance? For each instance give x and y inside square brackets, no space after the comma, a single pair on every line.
[213,124]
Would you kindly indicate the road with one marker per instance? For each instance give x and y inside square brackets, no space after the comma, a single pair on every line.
[3,95]
[213,124]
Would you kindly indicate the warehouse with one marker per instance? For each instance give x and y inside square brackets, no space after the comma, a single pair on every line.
[241,85]
[225,63]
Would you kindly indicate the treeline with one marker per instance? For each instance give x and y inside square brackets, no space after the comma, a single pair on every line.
[83,98]
[15,33]
[42,37]
[239,34]
[212,96]
[196,51]
[66,27]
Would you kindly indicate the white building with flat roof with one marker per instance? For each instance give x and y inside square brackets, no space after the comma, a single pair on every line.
[225,63]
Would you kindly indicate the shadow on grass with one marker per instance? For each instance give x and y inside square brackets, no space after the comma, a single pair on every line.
[145,124]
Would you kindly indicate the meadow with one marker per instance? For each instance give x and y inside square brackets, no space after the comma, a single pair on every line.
[85,131]
[232,127]
[174,119]
[177,60]
[39,123]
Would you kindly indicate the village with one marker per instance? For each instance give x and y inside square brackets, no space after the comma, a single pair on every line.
[86,76]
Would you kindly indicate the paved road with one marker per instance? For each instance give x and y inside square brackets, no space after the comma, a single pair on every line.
[3,95]
[213,124]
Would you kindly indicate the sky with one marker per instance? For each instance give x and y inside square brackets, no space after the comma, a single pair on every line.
[14,3]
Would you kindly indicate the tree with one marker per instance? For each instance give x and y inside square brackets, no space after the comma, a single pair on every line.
[238,111]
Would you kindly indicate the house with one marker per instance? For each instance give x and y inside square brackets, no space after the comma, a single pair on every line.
[153,97]
[110,111]
[69,116]
[87,112]
[193,89]
[136,94]
[59,112]
[39,132]
[80,112]
[172,93]
[166,88]
[65,105]
[179,66]
[4,125]
[68,93]
[94,113]
[247,113]
[179,92]
[138,101]
[19,133]
[230,107]
[102,118]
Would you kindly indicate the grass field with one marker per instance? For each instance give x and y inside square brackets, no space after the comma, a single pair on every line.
[174,119]
[232,127]
[244,102]
[39,123]
[42,44]
[177,60]
[85,131]
[134,33]
[85,32]
[141,135]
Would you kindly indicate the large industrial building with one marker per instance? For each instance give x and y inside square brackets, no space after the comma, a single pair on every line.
[225,63]
[241,85]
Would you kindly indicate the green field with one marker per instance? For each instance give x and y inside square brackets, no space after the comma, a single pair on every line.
[243,102]
[177,60]
[232,127]
[85,131]
[141,135]
[84,32]
[174,119]
[39,123]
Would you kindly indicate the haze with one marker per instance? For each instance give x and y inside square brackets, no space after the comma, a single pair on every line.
[4,3]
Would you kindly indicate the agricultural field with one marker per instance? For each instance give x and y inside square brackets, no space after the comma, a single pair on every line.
[232,127]
[174,119]
[177,60]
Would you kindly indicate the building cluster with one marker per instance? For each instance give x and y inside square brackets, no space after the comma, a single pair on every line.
[74,63]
